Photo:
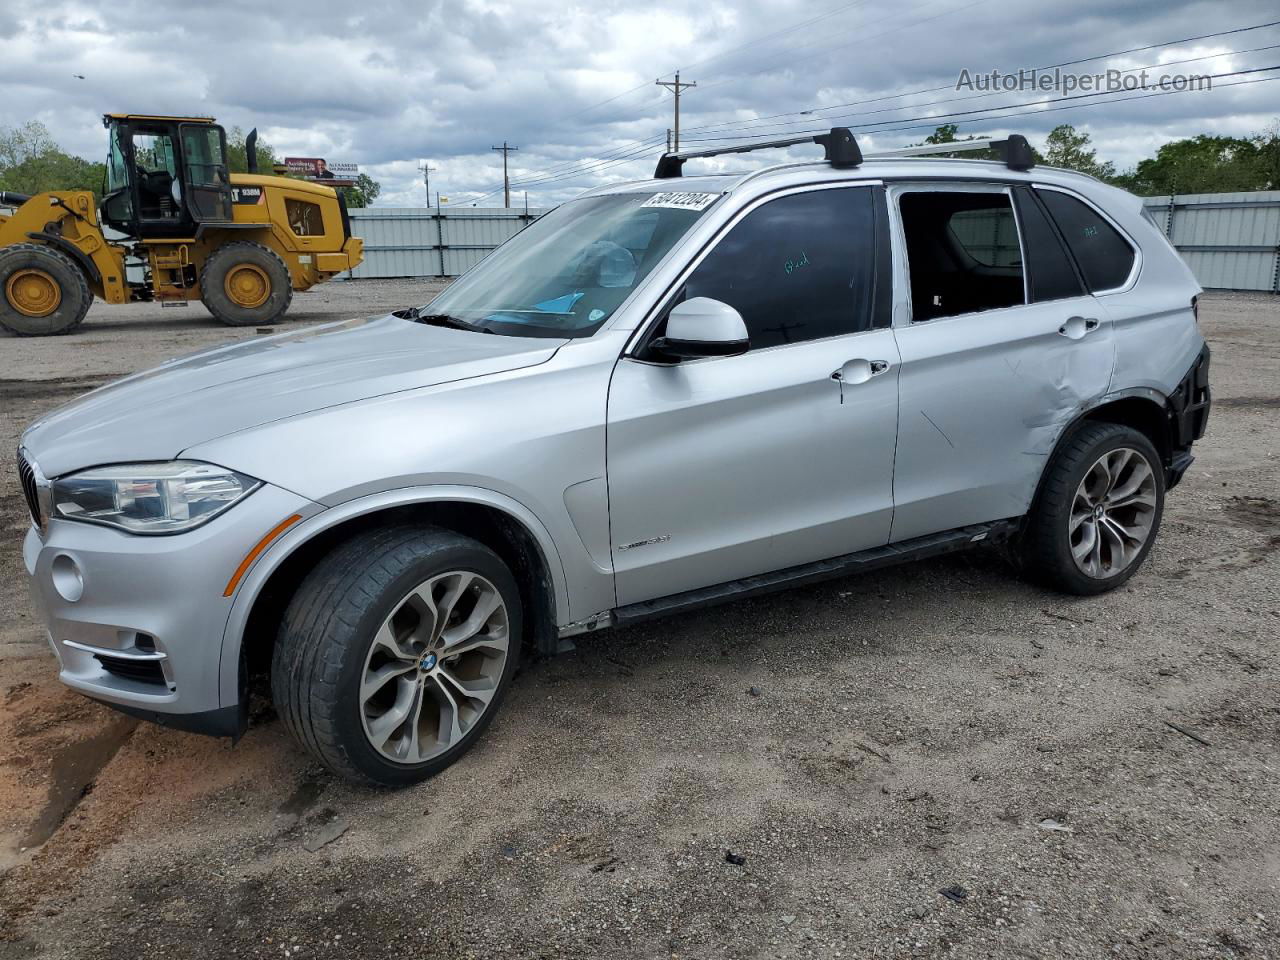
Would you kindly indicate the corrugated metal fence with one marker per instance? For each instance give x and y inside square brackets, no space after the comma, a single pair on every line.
[1230,240]
[419,242]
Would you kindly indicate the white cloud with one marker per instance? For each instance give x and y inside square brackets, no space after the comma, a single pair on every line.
[387,83]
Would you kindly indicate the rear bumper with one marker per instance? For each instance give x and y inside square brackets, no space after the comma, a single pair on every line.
[1188,417]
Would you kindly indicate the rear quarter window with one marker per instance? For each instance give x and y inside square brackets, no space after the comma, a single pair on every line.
[1105,257]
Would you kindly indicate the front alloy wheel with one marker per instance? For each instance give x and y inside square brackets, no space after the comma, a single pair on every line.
[395,652]
[434,666]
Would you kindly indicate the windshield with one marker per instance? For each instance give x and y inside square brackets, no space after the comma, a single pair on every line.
[567,272]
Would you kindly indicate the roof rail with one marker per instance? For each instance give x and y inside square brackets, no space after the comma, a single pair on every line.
[841,150]
[1014,151]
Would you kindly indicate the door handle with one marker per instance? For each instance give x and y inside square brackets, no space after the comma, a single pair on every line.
[859,371]
[1077,327]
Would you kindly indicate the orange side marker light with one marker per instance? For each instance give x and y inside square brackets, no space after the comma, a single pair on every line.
[252,555]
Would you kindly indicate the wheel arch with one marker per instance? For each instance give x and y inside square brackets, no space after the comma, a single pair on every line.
[1141,408]
[92,275]
[505,526]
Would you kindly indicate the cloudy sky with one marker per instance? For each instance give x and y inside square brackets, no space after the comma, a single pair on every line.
[387,83]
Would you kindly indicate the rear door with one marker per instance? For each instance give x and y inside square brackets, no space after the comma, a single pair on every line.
[726,467]
[205,177]
[1001,347]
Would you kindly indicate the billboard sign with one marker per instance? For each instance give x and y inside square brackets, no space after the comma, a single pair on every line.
[317,168]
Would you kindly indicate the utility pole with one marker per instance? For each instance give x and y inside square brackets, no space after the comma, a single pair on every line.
[675,86]
[427,170]
[506,181]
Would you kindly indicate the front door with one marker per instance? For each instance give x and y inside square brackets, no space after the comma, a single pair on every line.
[1002,347]
[208,184]
[722,468]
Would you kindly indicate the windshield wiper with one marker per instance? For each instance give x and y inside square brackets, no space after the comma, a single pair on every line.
[438,320]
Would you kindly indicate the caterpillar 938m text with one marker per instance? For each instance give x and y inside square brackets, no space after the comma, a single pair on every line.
[240,243]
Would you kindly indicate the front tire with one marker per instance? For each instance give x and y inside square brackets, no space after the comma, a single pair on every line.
[43,292]
[1098,511]
[396,652]
[245,284]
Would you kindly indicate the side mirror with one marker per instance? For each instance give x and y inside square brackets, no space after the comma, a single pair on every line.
[701,327]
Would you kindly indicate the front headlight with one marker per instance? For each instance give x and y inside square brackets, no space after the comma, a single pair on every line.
[150,497]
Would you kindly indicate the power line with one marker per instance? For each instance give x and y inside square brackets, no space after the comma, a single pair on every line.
[1057,100]
[1051,66]
[778,127]
[994,116]
[627,152]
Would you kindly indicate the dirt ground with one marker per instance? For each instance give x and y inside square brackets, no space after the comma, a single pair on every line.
[935,761]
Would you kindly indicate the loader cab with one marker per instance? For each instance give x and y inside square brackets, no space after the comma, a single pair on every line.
[166,176]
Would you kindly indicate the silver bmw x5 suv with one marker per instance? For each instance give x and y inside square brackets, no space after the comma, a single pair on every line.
[661,395]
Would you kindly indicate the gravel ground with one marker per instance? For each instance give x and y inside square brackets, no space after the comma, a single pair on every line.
[936,761]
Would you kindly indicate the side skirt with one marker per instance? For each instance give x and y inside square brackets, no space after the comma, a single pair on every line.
[933,545]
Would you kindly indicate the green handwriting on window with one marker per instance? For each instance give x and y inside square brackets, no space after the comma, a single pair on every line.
[791,266]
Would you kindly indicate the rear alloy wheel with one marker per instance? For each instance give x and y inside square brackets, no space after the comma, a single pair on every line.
[42,291]
[1098,510]
[1113,513]
[245,284]
[395,653]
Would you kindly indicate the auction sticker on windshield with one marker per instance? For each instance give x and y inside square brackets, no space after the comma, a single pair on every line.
[681,201]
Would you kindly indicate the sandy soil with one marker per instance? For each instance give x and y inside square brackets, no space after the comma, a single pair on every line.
[1084,778]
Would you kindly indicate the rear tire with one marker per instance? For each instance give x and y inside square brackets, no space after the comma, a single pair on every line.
[246,284]
[1098,511]
[43,292]
[362,673]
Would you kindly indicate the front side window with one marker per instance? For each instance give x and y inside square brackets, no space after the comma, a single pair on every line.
[798,268]
[1104,256]
[156,169]
[566,273]
[118,200]
[963,252]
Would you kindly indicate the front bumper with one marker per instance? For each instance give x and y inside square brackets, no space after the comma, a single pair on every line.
[137,622]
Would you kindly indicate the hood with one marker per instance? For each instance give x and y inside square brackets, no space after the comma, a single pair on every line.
[157,414]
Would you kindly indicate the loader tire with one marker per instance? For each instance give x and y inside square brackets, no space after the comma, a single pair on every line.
[246,284]
[43,292]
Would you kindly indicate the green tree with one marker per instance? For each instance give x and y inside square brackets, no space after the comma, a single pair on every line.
[31,163]
[363,193]
[238,155]
[1064,147]
[1208,164]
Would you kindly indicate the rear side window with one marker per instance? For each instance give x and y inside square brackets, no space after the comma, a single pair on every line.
[989,236]
[1050,273]
[798,268]
[1105,258]
[963,253]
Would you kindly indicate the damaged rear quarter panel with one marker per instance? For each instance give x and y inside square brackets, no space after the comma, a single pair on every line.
[984,398]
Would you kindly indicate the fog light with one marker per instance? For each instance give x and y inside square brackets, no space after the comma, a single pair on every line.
[67,578]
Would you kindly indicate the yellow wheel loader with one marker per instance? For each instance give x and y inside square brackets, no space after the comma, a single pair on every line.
[189,230]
